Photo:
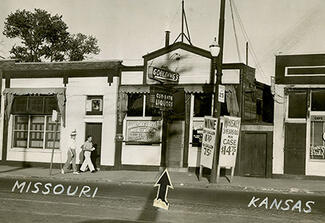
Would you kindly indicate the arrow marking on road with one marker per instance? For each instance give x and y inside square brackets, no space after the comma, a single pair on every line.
[163,183]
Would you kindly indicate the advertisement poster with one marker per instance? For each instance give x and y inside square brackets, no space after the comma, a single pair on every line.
[229,141]
[143,132]
[208,141]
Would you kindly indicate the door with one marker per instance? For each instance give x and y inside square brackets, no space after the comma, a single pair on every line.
[95,130]
[175,143]
[295,148]
[253,153]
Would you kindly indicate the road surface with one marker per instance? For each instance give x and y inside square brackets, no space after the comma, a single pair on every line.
[22,201]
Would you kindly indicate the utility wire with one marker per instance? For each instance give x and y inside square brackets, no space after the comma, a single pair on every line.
[251,49]
[235,31]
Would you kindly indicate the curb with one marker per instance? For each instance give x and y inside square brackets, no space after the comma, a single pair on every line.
[221,187]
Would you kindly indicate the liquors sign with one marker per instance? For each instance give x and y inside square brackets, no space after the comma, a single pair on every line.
[161,98]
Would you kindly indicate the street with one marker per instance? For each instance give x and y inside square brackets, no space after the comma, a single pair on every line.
[133,203]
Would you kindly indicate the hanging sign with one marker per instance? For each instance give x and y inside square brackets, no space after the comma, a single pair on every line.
[208,141]
[229,141]
[162,74]
[161,98]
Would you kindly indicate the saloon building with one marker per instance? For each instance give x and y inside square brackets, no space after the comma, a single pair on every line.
[299,108]
[121,106]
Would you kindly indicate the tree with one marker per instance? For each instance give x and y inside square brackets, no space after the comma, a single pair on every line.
[46,37]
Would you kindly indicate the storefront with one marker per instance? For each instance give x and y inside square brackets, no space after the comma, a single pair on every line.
[83,93]
[299,121]
[190,72]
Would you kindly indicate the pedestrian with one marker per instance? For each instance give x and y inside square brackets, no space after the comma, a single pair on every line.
[87,147]
[71,154]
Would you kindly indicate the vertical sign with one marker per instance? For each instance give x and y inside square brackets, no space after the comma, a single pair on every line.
[208,141]
[221,93]
[229,141]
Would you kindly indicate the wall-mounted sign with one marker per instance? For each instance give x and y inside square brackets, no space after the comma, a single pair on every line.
[229,141]
[221,93]
[161,98]
[317,118]
[162,74]
[143,131]
[208,141]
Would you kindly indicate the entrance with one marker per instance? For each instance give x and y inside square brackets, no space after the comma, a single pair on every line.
[95,130]
[175,143]
[295,148]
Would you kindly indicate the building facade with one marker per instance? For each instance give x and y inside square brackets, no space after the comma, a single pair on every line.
[299,115]
[83,93]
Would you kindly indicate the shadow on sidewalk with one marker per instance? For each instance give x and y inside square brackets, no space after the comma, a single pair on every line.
[17,168]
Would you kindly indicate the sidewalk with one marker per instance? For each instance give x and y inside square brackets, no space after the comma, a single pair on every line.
[179,179]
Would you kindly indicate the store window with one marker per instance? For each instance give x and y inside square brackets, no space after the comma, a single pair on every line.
[318,100]
[139,105]
[317,137]
[32,122]
[297,107]
[36,131]
[94,105]
[202,105]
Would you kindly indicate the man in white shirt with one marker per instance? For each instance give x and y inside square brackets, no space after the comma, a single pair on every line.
[72,146]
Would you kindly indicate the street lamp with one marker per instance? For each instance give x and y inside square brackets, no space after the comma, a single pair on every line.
[216,50]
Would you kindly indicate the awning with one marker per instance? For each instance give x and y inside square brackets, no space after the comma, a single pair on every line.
[10,93]
[135,89]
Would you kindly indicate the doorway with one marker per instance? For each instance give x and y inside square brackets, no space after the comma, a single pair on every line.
[95,130]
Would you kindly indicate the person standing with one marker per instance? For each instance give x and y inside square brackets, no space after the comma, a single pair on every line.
[87,147]
[72,146]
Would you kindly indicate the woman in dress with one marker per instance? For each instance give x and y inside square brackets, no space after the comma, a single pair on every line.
[87,148]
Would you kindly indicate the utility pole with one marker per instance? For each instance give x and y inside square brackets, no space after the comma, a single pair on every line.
[217,63]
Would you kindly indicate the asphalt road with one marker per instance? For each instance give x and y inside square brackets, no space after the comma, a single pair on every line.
[133,203]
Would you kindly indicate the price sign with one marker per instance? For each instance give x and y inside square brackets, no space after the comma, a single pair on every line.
[221,93]
[208,141]
[229,141]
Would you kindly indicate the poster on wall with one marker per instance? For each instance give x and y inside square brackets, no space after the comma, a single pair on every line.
[229,141]
[197,133]
[208,141]
[143,131]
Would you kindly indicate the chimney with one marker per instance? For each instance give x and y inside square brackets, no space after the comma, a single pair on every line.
[167,34]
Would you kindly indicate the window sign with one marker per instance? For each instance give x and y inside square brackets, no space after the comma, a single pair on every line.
[317,141]
[94,105]
[143,131]
[197,133]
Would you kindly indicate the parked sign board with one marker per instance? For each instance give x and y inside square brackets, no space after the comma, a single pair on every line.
[208,141]
[163,74]
[229,141]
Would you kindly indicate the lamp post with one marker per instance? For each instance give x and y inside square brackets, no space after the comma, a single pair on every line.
[216,50]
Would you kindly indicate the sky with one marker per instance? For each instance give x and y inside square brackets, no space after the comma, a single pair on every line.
[129,29]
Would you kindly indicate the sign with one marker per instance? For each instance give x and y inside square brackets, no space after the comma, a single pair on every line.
[163,183]
[318,118]
[143,131]
[162,74]
[221,93]
[161,98]
[208,141]
[54,116]
[317,152]
[229,141]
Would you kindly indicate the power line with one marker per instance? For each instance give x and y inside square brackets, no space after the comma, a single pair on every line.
[234,28]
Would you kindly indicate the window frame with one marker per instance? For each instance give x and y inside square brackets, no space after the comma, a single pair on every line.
[296,120]
[45,131]
[144,105]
